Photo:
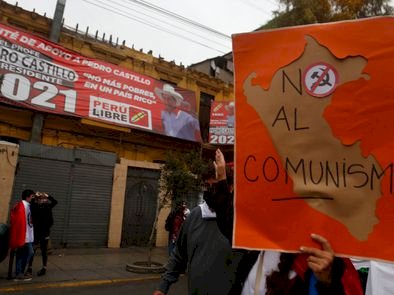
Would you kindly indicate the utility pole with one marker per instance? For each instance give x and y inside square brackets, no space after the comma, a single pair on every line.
[57,21]
[38,119]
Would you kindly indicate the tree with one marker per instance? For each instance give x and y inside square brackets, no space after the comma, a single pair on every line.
[181,175]
[302,12]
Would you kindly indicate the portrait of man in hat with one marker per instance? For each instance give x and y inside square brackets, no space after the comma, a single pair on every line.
[176,117]
[230,108]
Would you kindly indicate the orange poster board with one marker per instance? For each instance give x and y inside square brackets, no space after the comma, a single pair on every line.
[314,137]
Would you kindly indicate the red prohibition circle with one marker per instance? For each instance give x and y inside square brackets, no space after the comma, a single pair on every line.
[328,68]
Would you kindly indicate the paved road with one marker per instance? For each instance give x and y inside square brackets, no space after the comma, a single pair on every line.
[145,287]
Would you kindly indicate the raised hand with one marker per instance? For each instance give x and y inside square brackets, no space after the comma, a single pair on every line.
[220,165]
[320,260]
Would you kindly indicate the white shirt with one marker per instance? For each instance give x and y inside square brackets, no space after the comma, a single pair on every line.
[180,124]
[380,278]
[270,264]
[170,123]
[206,212]
[29,225]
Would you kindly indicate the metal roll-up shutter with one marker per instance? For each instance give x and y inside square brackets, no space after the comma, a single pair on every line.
[49,176]
[92,177]
[90,206]
[80,180]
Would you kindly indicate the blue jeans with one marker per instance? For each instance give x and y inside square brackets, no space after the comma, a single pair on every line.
[23,255]
[171,247]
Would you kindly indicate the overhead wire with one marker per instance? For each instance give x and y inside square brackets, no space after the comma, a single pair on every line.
[170,24]
[253,5]
[179,17]
[155,26]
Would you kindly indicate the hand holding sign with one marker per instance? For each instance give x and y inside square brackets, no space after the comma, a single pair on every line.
[320,260]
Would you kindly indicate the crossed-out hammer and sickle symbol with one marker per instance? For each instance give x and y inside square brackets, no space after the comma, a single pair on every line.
[322,82]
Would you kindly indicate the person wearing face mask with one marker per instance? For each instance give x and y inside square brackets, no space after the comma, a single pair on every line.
[202,249]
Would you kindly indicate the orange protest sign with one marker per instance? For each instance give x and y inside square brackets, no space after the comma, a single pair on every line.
[314,146]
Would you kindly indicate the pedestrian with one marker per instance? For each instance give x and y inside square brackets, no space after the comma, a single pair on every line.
[4,237]
[41,209]
[313,271]
[174,222]
[202,250]
[22,235]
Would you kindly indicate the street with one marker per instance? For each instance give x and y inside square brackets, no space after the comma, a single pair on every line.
[144,287]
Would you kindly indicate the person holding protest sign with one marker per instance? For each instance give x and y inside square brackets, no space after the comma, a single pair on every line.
[313,271]
[202,249]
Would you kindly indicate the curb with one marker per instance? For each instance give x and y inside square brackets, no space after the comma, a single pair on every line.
[27,287]
[142,267]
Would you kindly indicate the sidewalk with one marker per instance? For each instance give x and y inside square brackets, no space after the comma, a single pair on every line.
[82,267]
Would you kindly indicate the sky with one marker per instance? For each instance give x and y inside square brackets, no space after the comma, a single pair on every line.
[206,33]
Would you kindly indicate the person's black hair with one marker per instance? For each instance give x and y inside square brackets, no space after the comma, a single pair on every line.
[26,193]
[278,282]
[230,175]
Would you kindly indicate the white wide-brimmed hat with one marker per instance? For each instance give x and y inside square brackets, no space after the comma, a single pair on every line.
[169,89]
[231,105]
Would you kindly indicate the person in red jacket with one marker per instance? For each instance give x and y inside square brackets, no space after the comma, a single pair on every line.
[174,222]
[22,234]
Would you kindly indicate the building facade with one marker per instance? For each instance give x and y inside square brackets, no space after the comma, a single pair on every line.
[105,176]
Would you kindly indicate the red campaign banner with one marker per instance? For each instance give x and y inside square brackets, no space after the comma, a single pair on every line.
[41,75]
[222,121]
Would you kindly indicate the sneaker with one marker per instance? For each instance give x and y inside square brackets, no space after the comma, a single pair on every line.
[22,277]
[19,277]
[42,272]
[29,272]
[27,277]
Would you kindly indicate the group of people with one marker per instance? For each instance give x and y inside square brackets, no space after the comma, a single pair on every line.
[203,250]
[30,220]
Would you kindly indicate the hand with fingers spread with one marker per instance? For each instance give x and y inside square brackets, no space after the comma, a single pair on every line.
[320,260]
[220,165]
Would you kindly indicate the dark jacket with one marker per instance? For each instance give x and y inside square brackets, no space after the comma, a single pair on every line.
[42,217]
[207,255]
